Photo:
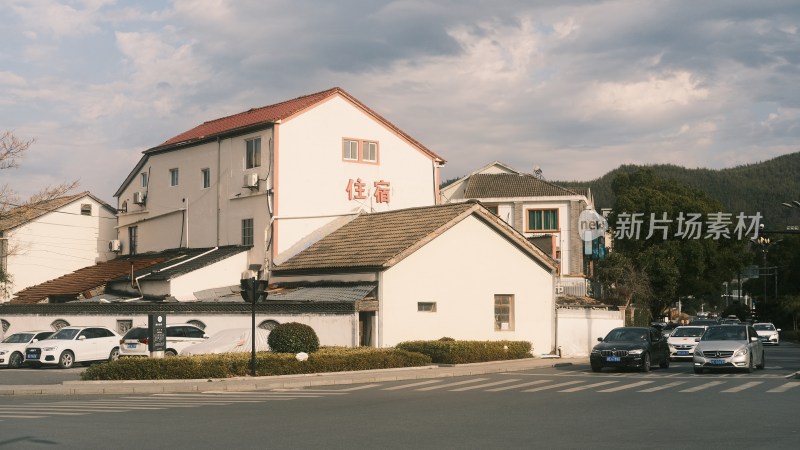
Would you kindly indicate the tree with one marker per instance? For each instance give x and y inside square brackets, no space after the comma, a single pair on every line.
[677,265]
[623,283]
[12,150]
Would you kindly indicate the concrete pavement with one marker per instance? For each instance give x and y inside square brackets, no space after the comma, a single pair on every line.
[284,381]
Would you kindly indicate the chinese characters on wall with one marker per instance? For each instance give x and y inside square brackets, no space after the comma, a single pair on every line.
[357,190]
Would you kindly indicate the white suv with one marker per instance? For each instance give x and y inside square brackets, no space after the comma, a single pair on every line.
[71,345]
[179,336]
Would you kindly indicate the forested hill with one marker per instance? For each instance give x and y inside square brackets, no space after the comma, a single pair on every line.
[751,188]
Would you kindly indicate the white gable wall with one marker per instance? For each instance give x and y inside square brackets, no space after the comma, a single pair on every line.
[461,271]
[312,177]
[222,273]
[58,243]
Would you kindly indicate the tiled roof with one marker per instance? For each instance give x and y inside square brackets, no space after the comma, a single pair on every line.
[503,185]
[26,213]
[86,279]
[340,293]
[380,240]
[187,261]
[273,113]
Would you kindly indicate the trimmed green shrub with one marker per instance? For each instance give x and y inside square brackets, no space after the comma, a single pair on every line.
[293,337]
[227,365]
[462,352]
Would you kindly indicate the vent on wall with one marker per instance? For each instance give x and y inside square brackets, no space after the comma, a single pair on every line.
[115,245]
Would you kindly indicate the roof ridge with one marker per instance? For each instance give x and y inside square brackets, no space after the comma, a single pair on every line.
[259,108]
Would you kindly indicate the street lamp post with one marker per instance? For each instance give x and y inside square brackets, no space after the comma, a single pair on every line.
[764,242]
[253,291]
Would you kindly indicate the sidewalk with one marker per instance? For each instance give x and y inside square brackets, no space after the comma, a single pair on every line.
[284,381]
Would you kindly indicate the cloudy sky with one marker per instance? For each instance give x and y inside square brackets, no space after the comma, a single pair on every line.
[574,87]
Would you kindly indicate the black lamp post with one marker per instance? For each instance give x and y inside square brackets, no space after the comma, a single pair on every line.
[764,242]
[253,291]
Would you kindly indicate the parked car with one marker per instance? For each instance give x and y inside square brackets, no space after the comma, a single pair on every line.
[729,346]
[683,341]
[668,329]
[632,347]
[179,336]
[704,322]
[71,345]
[12,349]
[768,333]
[236,340]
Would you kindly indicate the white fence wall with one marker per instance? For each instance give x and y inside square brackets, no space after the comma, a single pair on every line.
[578,329]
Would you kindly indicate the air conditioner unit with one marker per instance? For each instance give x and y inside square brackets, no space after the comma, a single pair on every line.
[139,197]
[251,180]
[115,245]
[559,289]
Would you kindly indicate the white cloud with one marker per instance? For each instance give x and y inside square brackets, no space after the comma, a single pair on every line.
[649,97]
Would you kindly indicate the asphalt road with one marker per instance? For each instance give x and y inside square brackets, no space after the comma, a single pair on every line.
[565,407]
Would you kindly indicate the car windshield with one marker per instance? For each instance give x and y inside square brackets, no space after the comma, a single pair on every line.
[136,333]
[65,334]
[688,332]
[18,338]
[725,334]
[627,334]
[764,327]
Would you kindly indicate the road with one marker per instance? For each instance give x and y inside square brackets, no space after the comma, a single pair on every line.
[566,407]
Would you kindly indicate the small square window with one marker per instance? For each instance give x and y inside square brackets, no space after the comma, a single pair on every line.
[370,152]
[86,209]
[350,150]
[542,220]
[426,306]
[143,178]
[206,174]
[173,177]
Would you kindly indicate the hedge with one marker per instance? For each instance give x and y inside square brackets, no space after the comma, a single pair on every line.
[229,365]
[446,351]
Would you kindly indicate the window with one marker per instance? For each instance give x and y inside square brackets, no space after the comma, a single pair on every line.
[206,174]
[123,326]
[173,177]
[360,151]
[370,152]
[247,231]
[86,209]
[253,153]
[133,238]
[492,209]
[426,306]
[143,178]
[350,150]
[59,324]
[504,313]
[197,323]
[542,220]
[268,325]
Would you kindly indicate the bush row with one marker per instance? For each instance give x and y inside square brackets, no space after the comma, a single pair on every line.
[449,351]
[229,365]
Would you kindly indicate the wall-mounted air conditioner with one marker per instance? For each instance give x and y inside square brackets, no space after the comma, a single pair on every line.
[139,197]
[251,180]
[115,245]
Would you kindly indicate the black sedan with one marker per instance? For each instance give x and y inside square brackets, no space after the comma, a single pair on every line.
[631,347]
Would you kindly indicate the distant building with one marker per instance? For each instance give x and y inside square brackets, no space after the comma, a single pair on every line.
[545,213]
[46,240]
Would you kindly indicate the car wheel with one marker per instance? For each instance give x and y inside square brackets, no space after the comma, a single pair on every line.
[114,355]
[665,364]
[66,360]
[646,362]
[749,368]
[698,371]
[762,364]
[15,361]
[596,368]
[170,352]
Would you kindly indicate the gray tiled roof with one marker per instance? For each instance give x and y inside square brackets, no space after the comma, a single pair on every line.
[340,293]
[502,185]
[379,240]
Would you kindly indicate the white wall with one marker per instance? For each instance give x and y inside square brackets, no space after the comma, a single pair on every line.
[60,242]
[222,273]
[578,329]
[331,329]
[461,270]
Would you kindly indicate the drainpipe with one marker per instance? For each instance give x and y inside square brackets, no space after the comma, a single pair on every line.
[219,182]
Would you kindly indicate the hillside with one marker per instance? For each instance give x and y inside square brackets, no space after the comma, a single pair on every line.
[760,187]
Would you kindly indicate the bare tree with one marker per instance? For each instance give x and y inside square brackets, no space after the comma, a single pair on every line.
[624,284]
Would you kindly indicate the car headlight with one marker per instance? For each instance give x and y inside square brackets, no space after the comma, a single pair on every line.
[637,351]
[49,349]
[595,352]
[741,352]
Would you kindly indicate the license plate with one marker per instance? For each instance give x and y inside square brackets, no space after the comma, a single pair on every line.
[717,362]
[131,345]
[613,359]
[682,353]
[31,356]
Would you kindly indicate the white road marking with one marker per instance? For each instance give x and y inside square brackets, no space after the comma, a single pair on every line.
[469,388]
[442,386]
[404,386]
[703,386]
[666,386]
[589,386]
[627,386]
[785,387]
[552,386]
[743,387]
[507,388]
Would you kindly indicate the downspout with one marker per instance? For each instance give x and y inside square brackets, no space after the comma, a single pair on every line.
[219,182]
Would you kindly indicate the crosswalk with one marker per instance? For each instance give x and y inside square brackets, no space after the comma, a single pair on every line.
[563,384]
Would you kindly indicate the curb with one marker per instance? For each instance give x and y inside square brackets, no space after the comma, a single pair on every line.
[279,381]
